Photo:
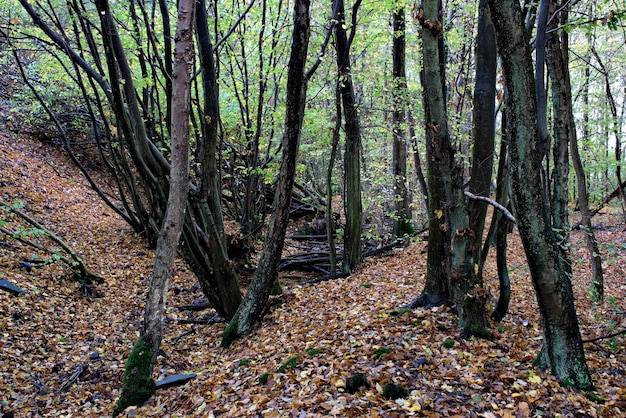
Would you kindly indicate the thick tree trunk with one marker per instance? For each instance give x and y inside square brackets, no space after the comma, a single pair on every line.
[138,385]
[562,352]
[352,157]
[402,217]
[445,176]
[251,309]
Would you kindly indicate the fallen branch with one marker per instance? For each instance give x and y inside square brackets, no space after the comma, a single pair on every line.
[72,260]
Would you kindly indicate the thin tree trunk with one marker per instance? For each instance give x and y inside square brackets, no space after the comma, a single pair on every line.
[484,118]
[138,385]
[352,157]
[559,53]
[251,309]
[562,353]
[399,88]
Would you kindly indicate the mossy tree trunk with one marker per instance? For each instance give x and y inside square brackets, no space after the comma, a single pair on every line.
[138,375]
[562,351]
[266,274]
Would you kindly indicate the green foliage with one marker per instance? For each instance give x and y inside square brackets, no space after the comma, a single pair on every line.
[393,391]
[289,364]
[405,228]
[137,386]
[356,382]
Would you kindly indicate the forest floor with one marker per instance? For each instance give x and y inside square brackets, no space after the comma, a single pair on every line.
[54,332]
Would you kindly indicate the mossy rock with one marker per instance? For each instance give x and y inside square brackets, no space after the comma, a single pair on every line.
[137,386]
[356,382]
[393,391]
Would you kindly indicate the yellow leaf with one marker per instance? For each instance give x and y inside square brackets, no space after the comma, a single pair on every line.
[438,213]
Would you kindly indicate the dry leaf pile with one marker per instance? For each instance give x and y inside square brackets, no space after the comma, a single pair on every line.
[63,348]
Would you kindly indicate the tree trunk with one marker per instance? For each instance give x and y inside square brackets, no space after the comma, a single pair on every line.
[446,177]
[484,117]
[558,49]
[562,352]
[561,107]
[222,287]
[352,157]
[138,385]
[402,218]
[251,309]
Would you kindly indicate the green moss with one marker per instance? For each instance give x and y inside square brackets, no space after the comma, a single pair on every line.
[289,364]
[393,391]
[592,396]
[379,352]
[447,343]
[355,382]
[137,386]
[277,289]
[263,378]
[314,351]
[230,333]
[399,312]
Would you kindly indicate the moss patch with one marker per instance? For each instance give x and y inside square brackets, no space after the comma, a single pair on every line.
[355,382]
[137,386]
[393,391]
[289,364]
[230,333]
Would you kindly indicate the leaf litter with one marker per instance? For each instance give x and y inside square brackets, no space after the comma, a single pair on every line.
[62,351]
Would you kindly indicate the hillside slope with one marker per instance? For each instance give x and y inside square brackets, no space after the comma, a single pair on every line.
[53,332]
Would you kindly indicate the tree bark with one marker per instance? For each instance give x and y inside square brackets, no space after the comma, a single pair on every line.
[352,156]
[448,206]
[402,217]
[137,375]
[484,117]
[562,353]
[558,50]
[251,309]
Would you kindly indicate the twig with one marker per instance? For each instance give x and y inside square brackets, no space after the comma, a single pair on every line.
[73,378]
[493,203]
[604,337]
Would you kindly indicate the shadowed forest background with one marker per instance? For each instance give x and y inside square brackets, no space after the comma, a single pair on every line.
[312,210]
